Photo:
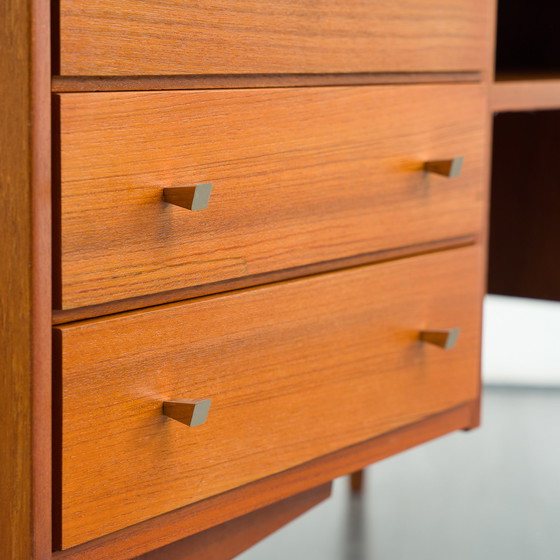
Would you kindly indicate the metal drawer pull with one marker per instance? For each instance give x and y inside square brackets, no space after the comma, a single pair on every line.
[448,167]
[192,198]
[445,339]
[189,412]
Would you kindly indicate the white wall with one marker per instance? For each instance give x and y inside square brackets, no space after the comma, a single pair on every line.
[521,341]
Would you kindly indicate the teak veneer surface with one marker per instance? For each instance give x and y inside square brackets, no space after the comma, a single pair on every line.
[127,37]
[356,39]
[25,304]
[81,313]
[295,370]
[526,93]
[16,323]
[164,529]
[300,176]
[230,539]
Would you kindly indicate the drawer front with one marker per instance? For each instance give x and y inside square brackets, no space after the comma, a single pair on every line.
[299,176]
[295,370]
[128,37]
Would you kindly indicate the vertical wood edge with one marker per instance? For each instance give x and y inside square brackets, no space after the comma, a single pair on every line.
[41,275]
[56,204]
[15,296]
[488,79]
[488,82]
[56,416]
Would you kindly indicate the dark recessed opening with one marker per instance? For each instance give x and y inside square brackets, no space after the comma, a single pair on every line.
[528,38]
[524,258]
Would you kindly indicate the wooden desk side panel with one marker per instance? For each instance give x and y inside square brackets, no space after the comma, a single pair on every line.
[25,303]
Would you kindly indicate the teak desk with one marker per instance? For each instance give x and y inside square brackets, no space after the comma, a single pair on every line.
[244,250]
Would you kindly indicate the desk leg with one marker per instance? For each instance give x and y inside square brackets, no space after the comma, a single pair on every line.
[357,481]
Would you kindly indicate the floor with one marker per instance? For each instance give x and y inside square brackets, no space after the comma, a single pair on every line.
[493,493]
[520,341]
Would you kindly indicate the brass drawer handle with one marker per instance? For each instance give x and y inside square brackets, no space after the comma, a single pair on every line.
[448,167]
[446,338]
[189,412]
[192,198]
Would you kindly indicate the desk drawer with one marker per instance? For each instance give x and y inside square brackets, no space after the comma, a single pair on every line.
[295,370]
[127,37]
[299,176]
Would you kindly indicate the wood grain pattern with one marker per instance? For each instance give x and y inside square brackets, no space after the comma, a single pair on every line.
[120,37]
[25,280]
[525,93]
[168,527]
[375,376]
[230,539]
[89,312]
[16,484]
[300,176]
[62,84]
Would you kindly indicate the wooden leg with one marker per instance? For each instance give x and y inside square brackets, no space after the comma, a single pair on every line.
[357,481]
[226,541]
[475,416]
